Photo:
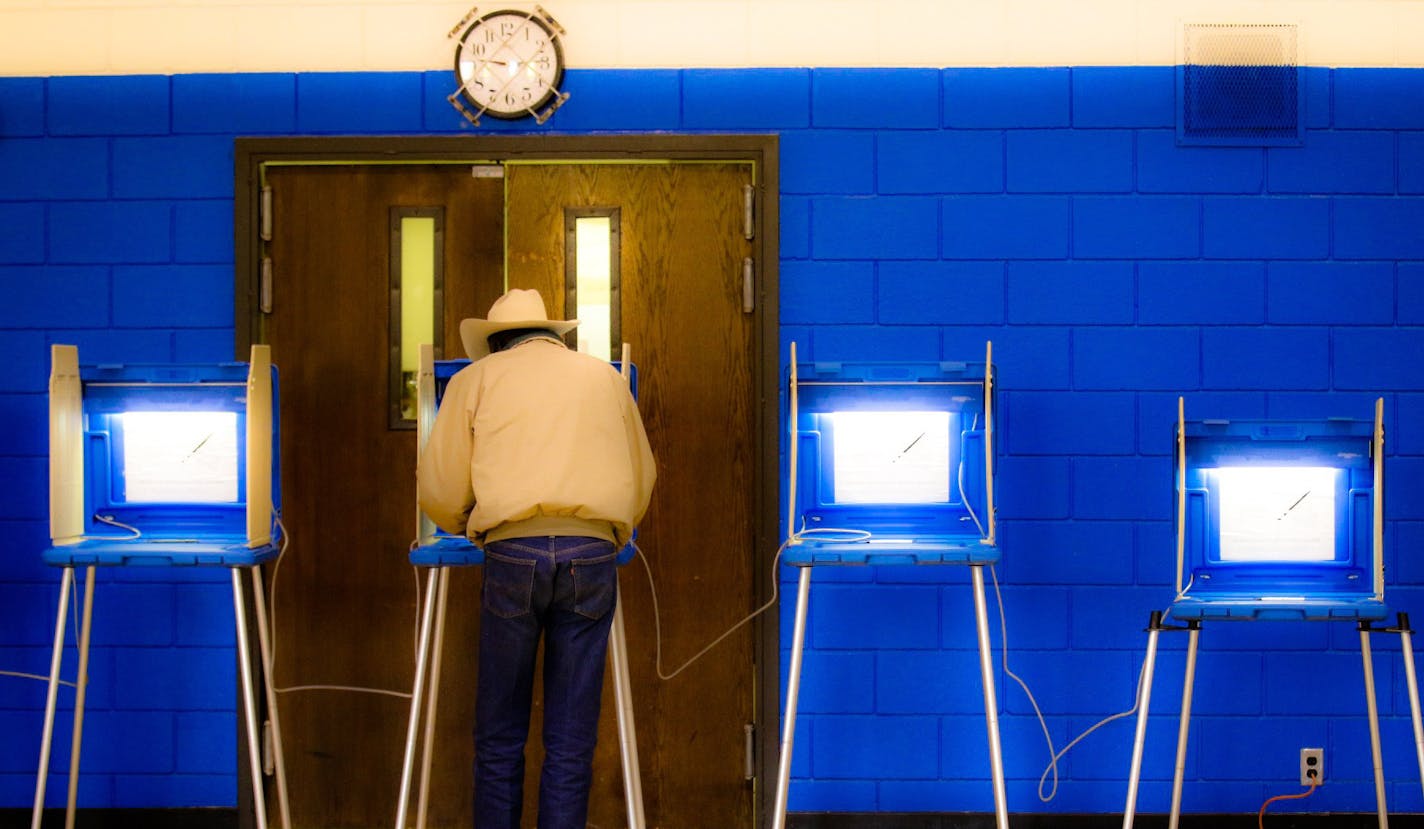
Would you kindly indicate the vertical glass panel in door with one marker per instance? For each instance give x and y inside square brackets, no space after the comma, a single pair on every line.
[591,279]
[417,270]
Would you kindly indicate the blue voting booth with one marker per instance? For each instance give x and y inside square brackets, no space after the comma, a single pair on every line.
[171,465]
[892,464]
[1277,520]
[437,551]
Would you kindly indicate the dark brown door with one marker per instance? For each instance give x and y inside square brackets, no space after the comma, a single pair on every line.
[345,594]
[681,252]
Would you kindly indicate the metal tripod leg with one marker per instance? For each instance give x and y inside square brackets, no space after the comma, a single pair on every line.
[1193,631]
[1407,646]
[793,688]
[249,703]
[432,691]
[264,644]
[991,705]
[627,730]
[81,687]
[1144,700]
[66,580]
[1374,725]
[417,692]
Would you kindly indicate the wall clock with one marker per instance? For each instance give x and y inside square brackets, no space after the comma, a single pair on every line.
[508,64]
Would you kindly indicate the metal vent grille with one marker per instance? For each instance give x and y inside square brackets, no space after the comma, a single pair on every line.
[1240,85]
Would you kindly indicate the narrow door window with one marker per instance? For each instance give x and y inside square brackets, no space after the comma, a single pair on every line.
[417,287]
[591,257]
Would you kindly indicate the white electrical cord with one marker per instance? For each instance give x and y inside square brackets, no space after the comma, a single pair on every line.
[23,675]
[1054,756]
[272,624]
[657,620]
[844,535]
[74,614]
[109,519]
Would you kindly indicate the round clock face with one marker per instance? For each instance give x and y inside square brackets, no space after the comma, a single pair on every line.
[508,64]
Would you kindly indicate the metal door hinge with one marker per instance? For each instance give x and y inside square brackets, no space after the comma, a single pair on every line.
[748,211]
[264,288]
[269,754]
[750,769]
[264,214]
[748,285]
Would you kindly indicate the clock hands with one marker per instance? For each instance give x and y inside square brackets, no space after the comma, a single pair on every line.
[509,64]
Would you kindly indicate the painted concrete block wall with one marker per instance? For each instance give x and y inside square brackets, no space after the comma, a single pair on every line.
[1047,209]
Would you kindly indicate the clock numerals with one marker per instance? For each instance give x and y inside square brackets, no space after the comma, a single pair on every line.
[509,64]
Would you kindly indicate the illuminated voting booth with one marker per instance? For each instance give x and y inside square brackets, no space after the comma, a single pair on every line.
[437,551]
[890,464]
[171,465]
[1277,520]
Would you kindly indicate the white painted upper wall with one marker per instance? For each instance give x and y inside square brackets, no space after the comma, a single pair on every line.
[119,37]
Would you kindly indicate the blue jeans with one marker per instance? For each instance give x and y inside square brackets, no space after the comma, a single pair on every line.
[562,589]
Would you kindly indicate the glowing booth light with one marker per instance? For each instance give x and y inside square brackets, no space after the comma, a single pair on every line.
[179,457]
[891,459]
[1280,518]
[155,452]
[1273,513]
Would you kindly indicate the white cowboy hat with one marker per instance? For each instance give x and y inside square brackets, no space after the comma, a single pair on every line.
[518,308]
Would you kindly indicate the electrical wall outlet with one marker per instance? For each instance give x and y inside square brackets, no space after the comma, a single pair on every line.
[1312,766]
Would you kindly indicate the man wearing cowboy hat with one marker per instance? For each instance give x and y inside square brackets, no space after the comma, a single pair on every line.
[539,456]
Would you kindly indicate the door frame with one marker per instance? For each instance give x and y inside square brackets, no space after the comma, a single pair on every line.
[251,155]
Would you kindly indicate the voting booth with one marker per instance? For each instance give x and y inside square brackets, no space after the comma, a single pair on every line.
[1277,520]
[890,464]
[437,551]
[171,465]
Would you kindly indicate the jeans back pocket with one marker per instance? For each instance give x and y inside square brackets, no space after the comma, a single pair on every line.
[595,586]
[509,586]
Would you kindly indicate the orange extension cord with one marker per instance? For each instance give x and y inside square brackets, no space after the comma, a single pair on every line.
[1261,816]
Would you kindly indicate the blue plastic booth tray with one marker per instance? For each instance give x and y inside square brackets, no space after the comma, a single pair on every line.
[1203,608]
[968,549]
[214,550]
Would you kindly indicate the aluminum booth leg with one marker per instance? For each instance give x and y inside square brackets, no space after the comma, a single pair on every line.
[264,643]
[81,687]
[432,698]
[1373,710]
[66,581]
[249,703]
[1184,727]
[627,728]
[991,705]
[427,615]
[1407,648]
[1144,700]
[793,688]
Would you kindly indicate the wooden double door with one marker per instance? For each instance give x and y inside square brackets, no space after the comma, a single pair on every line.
[345,596]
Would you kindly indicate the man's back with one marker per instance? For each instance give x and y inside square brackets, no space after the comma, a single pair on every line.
[552,443]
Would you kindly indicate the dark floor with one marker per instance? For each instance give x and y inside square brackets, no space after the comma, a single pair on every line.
[227,819]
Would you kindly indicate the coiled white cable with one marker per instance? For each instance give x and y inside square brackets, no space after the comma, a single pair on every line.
[834,533]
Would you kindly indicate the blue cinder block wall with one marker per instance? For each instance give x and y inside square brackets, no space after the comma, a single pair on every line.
[1050,210]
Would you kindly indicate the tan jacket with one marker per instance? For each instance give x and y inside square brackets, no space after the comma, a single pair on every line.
[536,441]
